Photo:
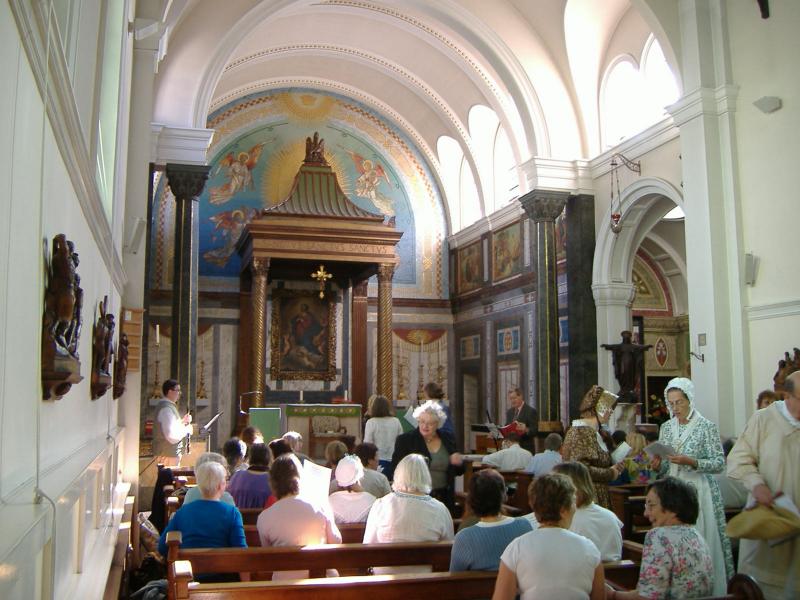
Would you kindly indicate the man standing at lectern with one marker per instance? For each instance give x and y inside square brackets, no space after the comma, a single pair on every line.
[525,416]
[170,429]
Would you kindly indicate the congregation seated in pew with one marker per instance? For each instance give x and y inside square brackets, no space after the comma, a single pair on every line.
[234,450]
[551,561]
[479,546]
[373,481]
[351,504]
[207,522]
[592,521]
[194,493]
[409,513]
[543,462]
[251,488]
[676,562]
[512,457]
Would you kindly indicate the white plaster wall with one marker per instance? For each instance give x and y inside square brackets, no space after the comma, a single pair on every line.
[768,152]
[73,464]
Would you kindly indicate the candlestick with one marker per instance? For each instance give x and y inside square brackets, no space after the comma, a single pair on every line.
[301,396]
[345,396]
[158,336]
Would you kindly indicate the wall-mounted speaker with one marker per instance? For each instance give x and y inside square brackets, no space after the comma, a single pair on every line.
[750,268]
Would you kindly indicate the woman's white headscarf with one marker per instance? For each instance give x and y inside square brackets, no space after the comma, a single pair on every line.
[687,387]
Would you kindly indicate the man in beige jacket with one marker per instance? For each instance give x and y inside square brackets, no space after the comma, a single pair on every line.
[766,459]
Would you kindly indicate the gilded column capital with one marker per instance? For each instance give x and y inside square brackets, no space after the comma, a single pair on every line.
[187,181]
[260,266]
[385,273]
[544,205]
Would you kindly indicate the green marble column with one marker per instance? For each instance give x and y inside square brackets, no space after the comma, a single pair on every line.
[186,183]
[543,207]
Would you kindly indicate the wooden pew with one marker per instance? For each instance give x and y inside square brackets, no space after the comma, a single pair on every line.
[349,558]
[316,559]
[443,586]
[469,585]
[740,587]
[352,533]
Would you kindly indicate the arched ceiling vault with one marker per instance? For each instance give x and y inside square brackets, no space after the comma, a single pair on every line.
[421,64]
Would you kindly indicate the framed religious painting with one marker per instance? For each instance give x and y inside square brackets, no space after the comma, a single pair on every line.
[507,252]
[470,268]
[303,335]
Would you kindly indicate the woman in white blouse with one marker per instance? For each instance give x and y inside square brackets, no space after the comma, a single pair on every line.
[409,513]
[382,430]
[591,520]
[551,562]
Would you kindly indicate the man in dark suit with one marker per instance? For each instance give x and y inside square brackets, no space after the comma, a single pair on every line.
[525,416]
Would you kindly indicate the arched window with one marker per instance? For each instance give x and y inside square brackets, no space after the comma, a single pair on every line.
[483,124]
[659,81]
[462,195]
[506,182]
[633,97]
[450,157]
[469,201]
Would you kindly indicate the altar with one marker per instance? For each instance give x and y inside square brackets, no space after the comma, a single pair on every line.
[320,424]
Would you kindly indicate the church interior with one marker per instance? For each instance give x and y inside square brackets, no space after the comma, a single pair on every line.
[296,204]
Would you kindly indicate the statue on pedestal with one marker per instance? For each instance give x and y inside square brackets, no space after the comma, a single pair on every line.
[628,362]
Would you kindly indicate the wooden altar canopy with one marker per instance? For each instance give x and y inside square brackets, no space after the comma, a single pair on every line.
[318,224]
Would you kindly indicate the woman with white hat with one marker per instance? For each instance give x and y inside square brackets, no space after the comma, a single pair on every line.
[698,456]
[351,503]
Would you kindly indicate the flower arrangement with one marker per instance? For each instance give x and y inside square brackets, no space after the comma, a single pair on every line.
[657,410]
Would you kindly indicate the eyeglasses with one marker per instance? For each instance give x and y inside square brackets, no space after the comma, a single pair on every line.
[677,402]
[650,504]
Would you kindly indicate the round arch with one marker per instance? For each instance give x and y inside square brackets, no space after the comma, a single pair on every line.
[643,205]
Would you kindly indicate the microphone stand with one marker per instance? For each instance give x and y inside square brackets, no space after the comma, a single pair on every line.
[242,395]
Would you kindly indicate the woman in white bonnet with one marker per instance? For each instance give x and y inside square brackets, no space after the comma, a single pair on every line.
[698,455]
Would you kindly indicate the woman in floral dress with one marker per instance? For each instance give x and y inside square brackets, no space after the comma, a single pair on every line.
[583,442]
[676,562]
[698,456]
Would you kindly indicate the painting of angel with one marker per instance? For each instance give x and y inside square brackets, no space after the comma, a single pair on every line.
[368,181]
[228,226]
[239,171]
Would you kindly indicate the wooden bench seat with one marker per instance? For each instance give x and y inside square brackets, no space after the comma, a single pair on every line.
[470,585]
[347,558]
[441,585]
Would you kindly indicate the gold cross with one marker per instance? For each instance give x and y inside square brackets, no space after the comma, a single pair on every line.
[321,276]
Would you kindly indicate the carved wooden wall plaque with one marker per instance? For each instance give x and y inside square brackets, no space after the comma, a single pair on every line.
[102,350]
[61,322]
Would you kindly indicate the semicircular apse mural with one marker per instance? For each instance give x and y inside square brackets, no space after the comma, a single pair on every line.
[258,146]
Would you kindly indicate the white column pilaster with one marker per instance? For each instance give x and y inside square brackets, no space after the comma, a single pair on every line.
[613,302]
[705,117]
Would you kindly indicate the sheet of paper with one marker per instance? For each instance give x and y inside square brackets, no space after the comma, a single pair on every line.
[785,502]
[660,449]
[621,452]
[409,416]
[314,483]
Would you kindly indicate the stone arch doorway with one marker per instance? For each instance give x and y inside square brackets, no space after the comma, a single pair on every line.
[644,205]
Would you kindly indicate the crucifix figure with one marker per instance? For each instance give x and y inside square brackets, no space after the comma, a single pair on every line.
[321,276]
[628,360]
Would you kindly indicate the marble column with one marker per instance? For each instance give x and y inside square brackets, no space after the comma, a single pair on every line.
[581,314]
[543,207]
[186,183]
[358,344]
[258,297]
[384,362]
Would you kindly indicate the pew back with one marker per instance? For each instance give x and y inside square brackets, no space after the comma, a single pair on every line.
[471,585]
